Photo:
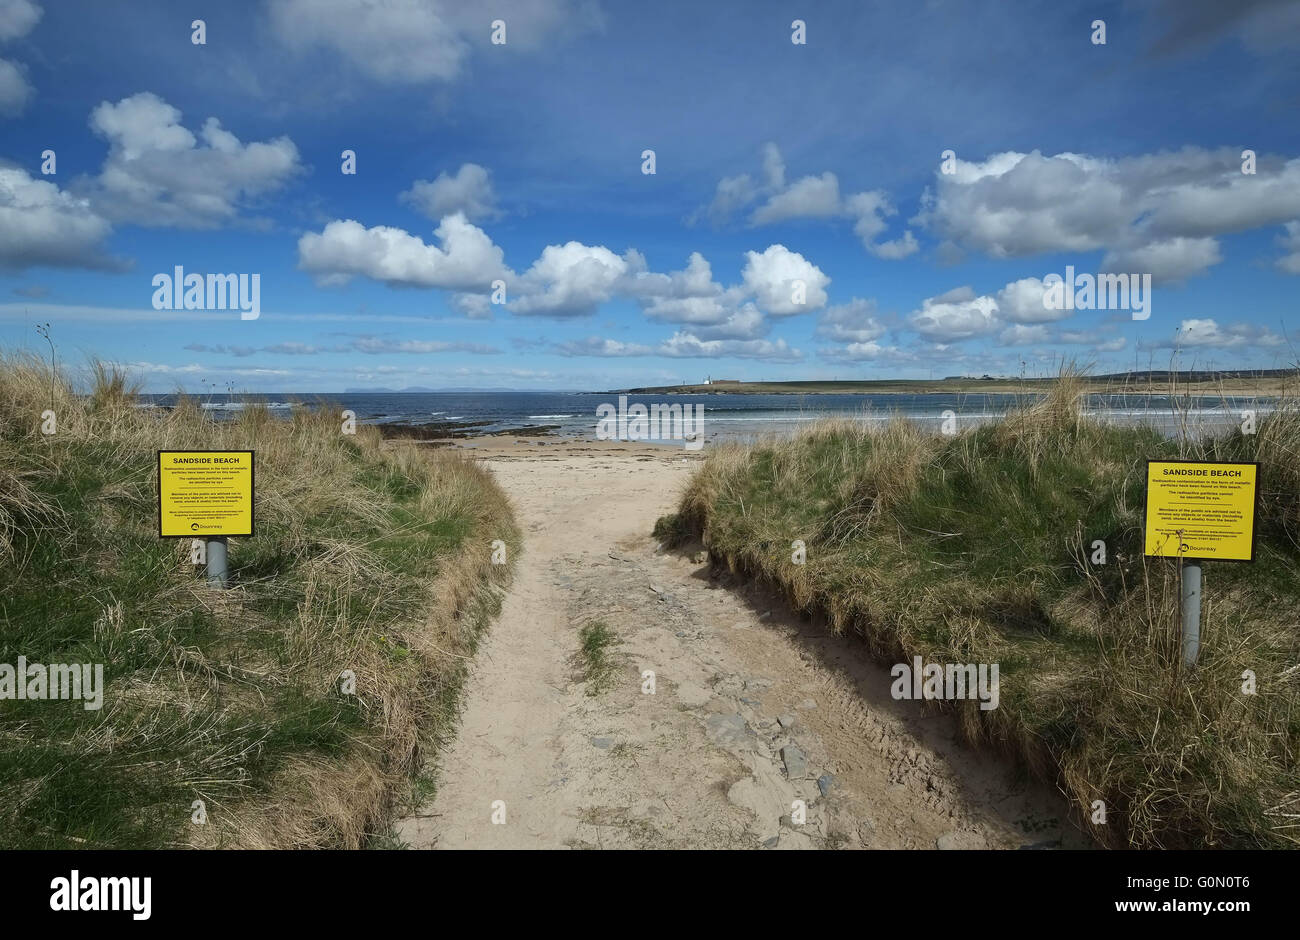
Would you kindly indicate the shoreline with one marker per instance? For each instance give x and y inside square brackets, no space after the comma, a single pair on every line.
[1272,387]
[1194,421]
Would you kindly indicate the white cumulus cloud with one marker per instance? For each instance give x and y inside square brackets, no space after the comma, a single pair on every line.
[466,259]
[813,197]
[1022,302]
[810,197]
[954,316]
[17,18]
[159,173]
[469,191]
[1208,332]
[1165,211]
[42,225]
[771,277]
[571,280]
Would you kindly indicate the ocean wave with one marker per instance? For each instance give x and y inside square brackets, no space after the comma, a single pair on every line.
[240,405]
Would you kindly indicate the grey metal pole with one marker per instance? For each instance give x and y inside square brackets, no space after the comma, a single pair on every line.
[1191,591]
[217,561]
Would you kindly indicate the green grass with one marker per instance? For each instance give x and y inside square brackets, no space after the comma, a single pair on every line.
[368,557]
[976,548]
[596,642]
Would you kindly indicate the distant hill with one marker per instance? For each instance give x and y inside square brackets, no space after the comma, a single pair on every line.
[1194,375]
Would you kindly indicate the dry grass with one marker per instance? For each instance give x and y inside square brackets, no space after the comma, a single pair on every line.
[369,557]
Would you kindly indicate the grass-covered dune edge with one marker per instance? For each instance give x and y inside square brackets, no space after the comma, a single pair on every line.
[977,548]
[368,557]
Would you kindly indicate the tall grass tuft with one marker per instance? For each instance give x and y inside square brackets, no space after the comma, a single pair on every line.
[369,557]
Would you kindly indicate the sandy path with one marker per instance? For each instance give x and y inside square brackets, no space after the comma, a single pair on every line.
[753,709]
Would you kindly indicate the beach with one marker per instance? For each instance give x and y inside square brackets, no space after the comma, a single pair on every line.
[753,707]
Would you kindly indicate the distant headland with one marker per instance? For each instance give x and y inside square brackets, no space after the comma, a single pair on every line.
[1150,381]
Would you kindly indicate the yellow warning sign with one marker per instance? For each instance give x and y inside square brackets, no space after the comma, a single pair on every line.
[1201,509]
[205,492]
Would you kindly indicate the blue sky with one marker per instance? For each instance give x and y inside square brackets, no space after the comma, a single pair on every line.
[521,162]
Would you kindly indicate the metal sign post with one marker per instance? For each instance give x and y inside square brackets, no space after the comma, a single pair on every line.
[216,553]
[1191,593]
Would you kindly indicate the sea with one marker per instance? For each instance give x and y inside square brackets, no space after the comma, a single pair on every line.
[728,416]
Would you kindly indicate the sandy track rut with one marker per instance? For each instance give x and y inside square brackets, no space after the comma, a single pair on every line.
[753,708]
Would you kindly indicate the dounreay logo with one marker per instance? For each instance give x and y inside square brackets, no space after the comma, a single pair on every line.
[55,681]
[102,893]
[181,291]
